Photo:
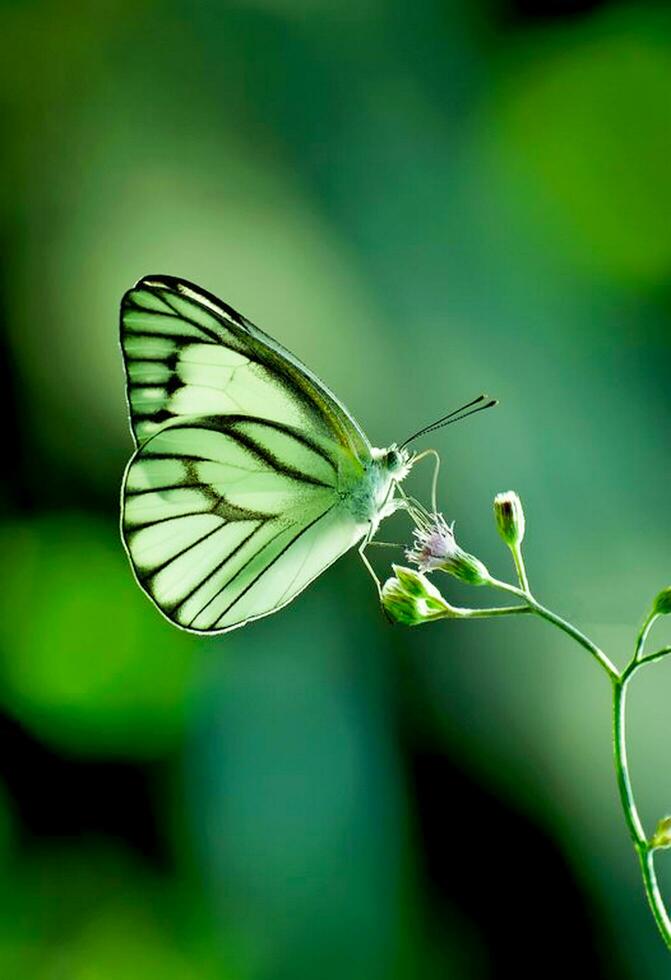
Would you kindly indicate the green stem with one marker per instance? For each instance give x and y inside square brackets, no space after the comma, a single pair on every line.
[579,637]
[655,900]
[457,612]
[639,839]
[640,640]
[657,655]
[620,683]
[622,766]
[567,627]
[520,567]
[495,611]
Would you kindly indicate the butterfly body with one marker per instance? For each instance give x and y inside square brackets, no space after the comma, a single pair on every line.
[249,476]
[371,498]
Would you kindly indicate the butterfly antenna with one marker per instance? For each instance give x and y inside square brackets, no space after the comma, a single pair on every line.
[478,404]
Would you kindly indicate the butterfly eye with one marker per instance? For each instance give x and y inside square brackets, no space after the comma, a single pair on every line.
[394,461]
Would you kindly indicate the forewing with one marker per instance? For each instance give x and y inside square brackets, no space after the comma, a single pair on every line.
[189,354]
[227,519]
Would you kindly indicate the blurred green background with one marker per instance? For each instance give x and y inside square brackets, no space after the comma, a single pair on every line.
[423,200]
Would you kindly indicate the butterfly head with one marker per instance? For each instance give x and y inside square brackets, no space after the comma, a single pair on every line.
[396,462]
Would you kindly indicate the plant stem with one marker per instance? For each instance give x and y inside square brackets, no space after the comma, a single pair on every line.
[520,567]
[622,766]
[494,611]
[620,682]
[567,627]
[639,839]
[655,900]
[584,641]
[657,655]
[641,638]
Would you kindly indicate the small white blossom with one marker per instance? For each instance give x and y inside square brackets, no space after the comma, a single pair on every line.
[436,549]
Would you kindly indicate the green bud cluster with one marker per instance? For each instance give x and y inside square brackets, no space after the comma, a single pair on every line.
[410,599]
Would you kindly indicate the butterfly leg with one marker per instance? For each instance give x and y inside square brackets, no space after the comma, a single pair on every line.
[362,551]
[362,554]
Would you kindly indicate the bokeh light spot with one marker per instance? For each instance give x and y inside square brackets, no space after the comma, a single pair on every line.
[86,662]
[563,113]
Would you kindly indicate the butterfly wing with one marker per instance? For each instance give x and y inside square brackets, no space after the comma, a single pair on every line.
[188,354]
[228,518]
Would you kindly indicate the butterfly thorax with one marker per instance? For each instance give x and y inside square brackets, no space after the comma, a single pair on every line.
[371,497]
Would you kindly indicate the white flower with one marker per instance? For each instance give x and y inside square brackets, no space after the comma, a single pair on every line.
[436,549]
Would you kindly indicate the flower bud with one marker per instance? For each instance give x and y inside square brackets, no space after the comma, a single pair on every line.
[410,599]
[435,549]
[414,584]
[662,836]
[509,517]
[662,604]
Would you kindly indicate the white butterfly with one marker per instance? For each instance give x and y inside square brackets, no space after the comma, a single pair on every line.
[249,478]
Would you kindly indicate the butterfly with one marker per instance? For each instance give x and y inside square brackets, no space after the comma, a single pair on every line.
[249,476]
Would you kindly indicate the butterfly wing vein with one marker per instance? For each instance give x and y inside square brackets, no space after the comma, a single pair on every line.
[221,528]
